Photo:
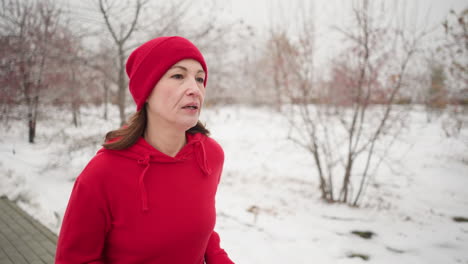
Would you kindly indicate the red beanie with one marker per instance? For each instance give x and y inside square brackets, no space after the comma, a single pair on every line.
[149,62]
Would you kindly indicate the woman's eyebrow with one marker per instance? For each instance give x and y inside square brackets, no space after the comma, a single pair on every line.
[180,67]
[185,69]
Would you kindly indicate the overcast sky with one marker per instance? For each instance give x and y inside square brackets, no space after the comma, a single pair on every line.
[261,14]
[258,12]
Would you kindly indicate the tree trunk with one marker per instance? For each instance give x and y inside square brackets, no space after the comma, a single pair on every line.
[122,86]
[76,115]
[32,117]
[75,100]
[106,98]
[346,179]
[32,128]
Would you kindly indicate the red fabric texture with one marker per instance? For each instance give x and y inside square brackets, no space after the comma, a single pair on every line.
[141,206]
[149,62]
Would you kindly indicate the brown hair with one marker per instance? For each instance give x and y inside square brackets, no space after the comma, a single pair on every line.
[135,127]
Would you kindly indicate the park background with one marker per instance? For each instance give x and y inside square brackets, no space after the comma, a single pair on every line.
[344,123]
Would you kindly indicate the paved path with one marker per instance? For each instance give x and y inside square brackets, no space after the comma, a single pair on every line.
[23,240]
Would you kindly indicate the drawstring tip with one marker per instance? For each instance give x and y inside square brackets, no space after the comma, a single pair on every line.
[144,206]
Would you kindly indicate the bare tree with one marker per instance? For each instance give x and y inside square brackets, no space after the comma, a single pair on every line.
[77,82]
[104,66]
[349,122]
[456,47]
[121,31]
[454,50]
[101,74]
[282,51]
[27,29]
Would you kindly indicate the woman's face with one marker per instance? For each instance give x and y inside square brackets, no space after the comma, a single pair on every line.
[177,98]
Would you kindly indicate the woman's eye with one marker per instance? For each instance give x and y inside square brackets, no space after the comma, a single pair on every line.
[177,76]
[200,80]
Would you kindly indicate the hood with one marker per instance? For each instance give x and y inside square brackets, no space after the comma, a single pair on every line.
[144,155]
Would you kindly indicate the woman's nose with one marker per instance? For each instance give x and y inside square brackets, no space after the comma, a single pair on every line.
[193,88]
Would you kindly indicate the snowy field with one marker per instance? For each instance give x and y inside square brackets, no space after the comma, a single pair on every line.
[409,206]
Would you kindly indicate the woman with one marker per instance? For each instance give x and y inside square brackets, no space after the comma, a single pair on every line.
[148,196]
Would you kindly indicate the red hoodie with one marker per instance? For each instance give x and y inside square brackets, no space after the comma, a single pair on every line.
[139,205]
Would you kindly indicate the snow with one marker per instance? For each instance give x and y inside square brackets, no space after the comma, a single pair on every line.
[409,206]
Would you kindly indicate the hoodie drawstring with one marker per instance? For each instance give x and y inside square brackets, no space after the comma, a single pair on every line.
[201,160]
[144,196]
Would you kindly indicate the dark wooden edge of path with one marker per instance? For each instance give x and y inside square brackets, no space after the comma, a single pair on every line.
[23,240]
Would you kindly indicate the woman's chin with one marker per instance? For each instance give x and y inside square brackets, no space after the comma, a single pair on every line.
[186,125]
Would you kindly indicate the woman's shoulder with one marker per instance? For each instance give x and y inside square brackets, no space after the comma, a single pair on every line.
[103,157]
[214,153]
[100,166]
[213,145]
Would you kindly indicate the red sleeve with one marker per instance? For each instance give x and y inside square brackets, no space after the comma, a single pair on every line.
[85,223]
[214,253]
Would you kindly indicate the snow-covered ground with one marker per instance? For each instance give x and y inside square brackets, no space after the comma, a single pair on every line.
[409,207]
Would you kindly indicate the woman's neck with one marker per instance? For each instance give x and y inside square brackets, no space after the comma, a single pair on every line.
[168,141]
